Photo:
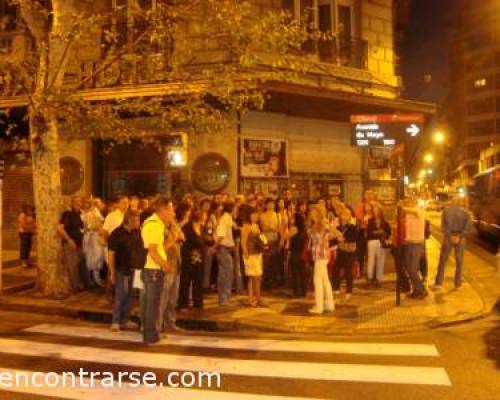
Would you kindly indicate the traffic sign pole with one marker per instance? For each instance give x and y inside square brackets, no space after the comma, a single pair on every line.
[397,131]
[399,216]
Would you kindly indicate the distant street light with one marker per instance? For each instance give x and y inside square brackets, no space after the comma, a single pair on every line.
[428,158]
[439,137]
[430,171]
[422,174]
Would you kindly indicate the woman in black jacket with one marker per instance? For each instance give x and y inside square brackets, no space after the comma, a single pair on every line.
[346,252]
[298,241]
[378,234]
[192,256]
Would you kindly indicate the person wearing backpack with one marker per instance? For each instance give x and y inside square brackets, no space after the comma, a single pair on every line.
[455,223]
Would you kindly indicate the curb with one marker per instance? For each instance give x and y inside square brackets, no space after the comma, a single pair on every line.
[18,288]
[234,325]
[484,313]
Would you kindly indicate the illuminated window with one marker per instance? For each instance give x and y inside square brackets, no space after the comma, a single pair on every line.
[479,83]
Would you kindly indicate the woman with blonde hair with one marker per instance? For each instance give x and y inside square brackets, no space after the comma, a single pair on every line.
[252,245]
[320,234]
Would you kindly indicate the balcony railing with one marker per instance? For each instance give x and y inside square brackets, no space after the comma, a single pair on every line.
[18,42]
[7,42]
[344,51]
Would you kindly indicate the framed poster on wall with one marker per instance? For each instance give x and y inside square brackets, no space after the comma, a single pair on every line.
[264,158]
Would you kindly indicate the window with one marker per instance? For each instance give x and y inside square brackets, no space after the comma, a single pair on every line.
[481,128]
[473,150]
[289,6]
[9,17]
[479,63]
[325,16]
[336,16]
[481,106]
[480,83]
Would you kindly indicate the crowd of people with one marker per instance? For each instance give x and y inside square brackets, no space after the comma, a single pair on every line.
[173,254]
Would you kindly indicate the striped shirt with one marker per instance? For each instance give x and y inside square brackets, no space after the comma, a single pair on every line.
[320,243]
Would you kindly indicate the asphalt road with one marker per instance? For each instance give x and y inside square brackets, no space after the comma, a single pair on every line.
[462,362]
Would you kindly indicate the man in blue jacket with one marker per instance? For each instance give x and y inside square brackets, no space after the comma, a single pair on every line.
[455,223]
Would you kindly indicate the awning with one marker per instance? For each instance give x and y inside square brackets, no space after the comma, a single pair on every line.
[311,102]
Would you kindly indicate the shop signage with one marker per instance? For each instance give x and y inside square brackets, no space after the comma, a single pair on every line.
[385,129]
[264,158]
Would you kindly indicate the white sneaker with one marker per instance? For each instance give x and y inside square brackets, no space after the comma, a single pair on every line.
[347,296]
[129,325]
[115,328]
[336,292]
[315,311]
[436,288]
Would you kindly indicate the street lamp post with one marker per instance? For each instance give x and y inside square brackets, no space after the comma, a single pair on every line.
[428,158]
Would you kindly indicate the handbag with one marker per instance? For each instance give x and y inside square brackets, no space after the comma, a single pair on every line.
[348,247]
[137,282]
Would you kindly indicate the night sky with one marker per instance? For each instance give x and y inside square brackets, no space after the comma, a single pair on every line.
[427,47]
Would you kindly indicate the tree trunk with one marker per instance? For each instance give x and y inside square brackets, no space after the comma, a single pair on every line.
[52,278]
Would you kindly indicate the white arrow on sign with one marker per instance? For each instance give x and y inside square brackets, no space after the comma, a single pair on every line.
[413,130]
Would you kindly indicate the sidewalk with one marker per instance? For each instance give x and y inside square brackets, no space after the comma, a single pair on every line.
[10,258]
[369,311]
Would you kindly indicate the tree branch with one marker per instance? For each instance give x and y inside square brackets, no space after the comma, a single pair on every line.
[36,18]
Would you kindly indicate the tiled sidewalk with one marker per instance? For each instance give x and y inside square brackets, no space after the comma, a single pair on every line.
[369,311]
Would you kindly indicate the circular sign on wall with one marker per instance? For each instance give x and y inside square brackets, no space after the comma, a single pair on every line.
[71,175]
[211,173]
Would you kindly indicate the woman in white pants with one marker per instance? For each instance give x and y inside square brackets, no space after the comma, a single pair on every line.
[378,234]
[320,235]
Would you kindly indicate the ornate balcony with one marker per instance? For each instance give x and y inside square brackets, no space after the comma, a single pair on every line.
[344,51]
[15,42]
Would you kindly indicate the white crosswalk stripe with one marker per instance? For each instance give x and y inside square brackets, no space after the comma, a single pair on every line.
[294,346]
[98,392]
[276,365]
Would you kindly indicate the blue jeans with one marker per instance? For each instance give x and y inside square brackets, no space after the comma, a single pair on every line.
[446,249]
[153,286]
[124,295]
[168,304]
[413,253]
[225,277]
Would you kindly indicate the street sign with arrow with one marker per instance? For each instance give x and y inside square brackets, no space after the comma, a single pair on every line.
[385,129]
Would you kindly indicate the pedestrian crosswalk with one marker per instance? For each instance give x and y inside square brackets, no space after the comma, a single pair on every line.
[289,360]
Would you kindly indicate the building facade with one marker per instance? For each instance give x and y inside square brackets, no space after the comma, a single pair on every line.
[301,140]
[475,102]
